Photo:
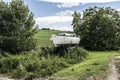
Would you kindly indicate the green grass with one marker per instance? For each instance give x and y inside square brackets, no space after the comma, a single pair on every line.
[96,65]
[43,37]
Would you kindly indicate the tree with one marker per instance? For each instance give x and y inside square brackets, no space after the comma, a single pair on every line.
[16,27]
[76,21]
[99,29]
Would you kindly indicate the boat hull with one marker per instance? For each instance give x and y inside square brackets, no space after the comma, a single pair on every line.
[63,40]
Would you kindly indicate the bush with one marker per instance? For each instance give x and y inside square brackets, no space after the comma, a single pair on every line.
[71,55]
[50,66]
[8,64]
[46,51]
[19,73]
[30,66]
[3,53]
[76,55]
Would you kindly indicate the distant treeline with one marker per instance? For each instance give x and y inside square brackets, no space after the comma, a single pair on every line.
[58,30]
[45,29]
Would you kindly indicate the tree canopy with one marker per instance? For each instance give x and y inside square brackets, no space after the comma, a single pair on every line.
[16,27]
[99,28]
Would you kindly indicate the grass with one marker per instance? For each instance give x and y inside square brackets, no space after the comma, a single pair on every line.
[43,37]
[96,65]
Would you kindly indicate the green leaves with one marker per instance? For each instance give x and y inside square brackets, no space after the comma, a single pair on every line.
[16,27]
[98,28]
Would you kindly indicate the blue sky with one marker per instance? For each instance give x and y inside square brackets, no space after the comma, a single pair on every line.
[57,14]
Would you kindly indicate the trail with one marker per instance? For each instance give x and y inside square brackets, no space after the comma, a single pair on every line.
[5,78]
[2,77]
[113,71]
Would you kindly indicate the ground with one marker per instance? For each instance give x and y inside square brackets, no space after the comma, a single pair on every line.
[113,74]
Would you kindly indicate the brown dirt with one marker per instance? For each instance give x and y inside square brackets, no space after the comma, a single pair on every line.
[113,71]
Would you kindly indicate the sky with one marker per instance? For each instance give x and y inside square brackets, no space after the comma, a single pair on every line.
[57,14]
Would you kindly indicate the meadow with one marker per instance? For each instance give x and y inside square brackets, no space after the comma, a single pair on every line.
[37,63]
[96,66]
[43,37]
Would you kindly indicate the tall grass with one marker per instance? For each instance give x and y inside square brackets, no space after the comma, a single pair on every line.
[96,65]
[42,64]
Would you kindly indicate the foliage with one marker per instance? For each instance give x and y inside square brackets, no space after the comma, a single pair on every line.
[29,65]
[16,27]
[19,73]
[99,28]
[76,55]
[46,51]
[96,66]
[8,64]
[40,64]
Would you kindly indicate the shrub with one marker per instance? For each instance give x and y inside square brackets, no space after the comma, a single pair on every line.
[50,66]
[3,53]
[76,55]
[19,73]
[46,51]
[30,66]
[7,64]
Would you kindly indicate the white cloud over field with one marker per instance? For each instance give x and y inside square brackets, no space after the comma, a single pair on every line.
[71,3]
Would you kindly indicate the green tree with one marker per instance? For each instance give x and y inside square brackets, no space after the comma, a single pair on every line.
[16,27]
[99,29]
[76,21]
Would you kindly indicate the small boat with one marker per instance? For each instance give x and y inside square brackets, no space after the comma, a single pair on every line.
[65,39]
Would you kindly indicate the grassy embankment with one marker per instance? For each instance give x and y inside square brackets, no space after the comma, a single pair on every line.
[32,64]
[96,66]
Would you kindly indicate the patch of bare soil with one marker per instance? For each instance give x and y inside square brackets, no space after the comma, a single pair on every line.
[114,69]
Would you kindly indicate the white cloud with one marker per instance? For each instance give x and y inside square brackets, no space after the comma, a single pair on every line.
[61,21]
[118,9]
[80,1]
[53,19]
[65,13]
[71,3]
[63,28]
[63,16]
[68,5]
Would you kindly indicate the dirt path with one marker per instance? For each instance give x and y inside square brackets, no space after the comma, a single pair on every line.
[113,73]
[2,77]
[5,79]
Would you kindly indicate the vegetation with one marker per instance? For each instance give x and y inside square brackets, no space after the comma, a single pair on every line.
[17,36]
[43,37]
[39,65]
[95,66]
[16,27]
[99,28]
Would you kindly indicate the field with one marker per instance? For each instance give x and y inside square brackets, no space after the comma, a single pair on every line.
[43,37]
[96,65]
[32,65]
